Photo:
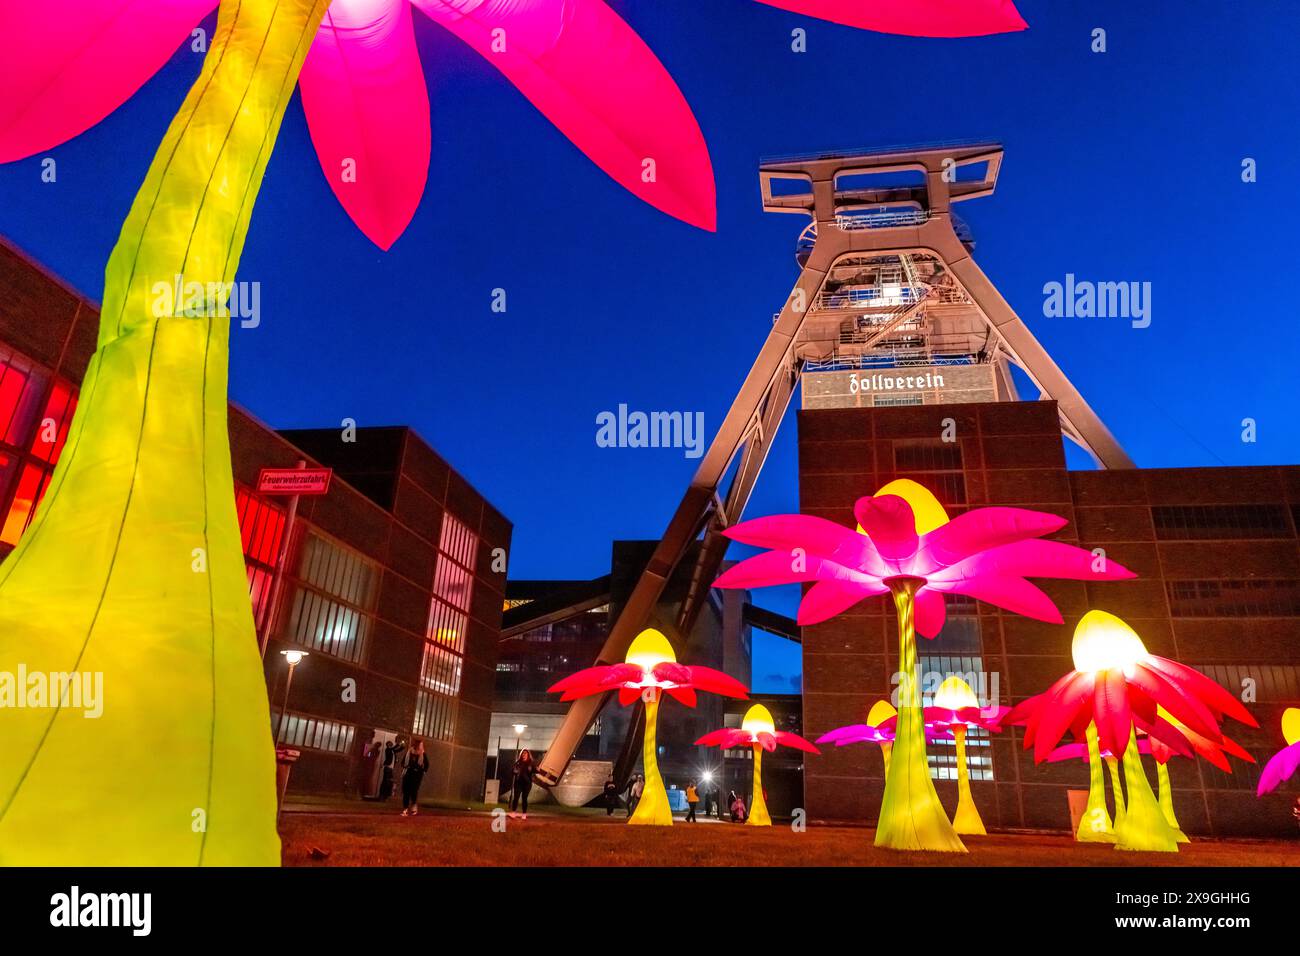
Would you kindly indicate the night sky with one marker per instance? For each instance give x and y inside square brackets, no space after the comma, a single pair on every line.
[1122,166]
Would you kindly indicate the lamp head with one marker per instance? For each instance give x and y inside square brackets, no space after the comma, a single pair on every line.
[294,656]
[1291,725]
[758,720]
[954,694]
[649,648]
[880,712]
[1104,642]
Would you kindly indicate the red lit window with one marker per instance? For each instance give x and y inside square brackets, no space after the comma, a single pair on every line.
[52,429]
[31,486]
[261,526]
[22,386]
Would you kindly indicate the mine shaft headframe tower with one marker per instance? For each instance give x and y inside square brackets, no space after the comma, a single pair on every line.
[886,282]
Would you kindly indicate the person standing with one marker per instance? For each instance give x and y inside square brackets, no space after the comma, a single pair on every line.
[611,796]
[523,783]
[692,798]
[392,757]
[416,765]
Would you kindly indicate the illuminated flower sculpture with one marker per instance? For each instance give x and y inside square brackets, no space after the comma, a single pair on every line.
[908,548]
[1216,752]
[72,62]
[882,723]
[1283,764]
[922,18]
[1095,825]
[649,671]
[1121,688]
[956,710]
[758,731]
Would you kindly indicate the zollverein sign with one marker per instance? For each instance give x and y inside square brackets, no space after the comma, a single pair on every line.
[294,481]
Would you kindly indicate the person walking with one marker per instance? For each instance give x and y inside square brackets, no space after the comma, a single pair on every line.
[416,764]
[692,799]
[737,807]
[523,783]
[635,787]
[611,796]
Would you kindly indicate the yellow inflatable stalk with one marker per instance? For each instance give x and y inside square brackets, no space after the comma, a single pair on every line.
[1095,827]
[133,567]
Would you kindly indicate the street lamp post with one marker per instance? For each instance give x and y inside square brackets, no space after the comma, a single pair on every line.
[293,657]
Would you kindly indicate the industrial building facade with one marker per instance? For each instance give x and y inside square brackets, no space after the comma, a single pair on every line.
[393,581]
[1218,588]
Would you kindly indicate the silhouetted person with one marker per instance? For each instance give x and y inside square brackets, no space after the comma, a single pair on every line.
[611,796]
[692,799]
[523,783]
[417,765]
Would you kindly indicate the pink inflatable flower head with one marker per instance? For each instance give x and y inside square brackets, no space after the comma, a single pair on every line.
[903,532]
[1283,764]
[918,18]
[1123,688]
[69,63]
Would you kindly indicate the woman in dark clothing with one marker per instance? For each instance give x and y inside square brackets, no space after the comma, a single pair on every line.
[417,765]
[524,770]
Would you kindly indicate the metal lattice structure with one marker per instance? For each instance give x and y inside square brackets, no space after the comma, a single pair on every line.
[887,282]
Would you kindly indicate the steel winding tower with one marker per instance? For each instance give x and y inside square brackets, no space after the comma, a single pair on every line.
[889,309]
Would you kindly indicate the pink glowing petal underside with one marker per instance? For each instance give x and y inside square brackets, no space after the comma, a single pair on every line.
[825,599]
[917,18]
[1008,593]
[982,529]
[889,522]
[853,734]
[810,534]
[367,110]
[66,64]
[1281,766]
[930,613]
[787,739]
[716,682]
[1112,712]
[1169,693]
[1056,710]
[1210,693]
[1068,752]
[1042,559]
[783,567]
[596,80]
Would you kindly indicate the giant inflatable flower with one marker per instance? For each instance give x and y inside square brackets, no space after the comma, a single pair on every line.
[906,546]
[1283,764]
[1123,689]
[758,731]
[69,63]
[920,18]
[649,671]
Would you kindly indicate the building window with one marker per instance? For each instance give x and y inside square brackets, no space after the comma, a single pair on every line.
[297,730]
[444,646]
[35,411]
[1255,598]
[935,464]
[893,401]
[333,599]
[1210,522]
[261,526]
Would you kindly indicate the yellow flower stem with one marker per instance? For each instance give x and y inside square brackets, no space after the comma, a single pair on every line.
[1095,827]
[967,818]
[653,808]
[758,815]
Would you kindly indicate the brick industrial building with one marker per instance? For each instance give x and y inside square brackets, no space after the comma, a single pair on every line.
[1218,588]
[394,581]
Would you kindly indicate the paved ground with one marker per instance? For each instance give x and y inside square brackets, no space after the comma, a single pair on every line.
[378,836]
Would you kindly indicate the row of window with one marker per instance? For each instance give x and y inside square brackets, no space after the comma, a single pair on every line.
[1246,598]
[296,730]
[1213,522]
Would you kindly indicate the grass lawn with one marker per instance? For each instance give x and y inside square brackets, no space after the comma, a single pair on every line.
[466,839]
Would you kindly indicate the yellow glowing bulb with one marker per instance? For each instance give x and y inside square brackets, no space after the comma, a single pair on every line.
[1291,725]
[1102,641]
[649,648]
[758,720]
[926,510]
[880,712]
[954,694]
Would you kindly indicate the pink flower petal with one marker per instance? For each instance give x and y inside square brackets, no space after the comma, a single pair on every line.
[889,522]
[594,78]
[825,599]
[930,613]
[985,528]
[1008,593]
[66,64]
[918,18]
[367,110]
[1281,766]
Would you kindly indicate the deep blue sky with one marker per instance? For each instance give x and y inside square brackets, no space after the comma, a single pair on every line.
[1120,166]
